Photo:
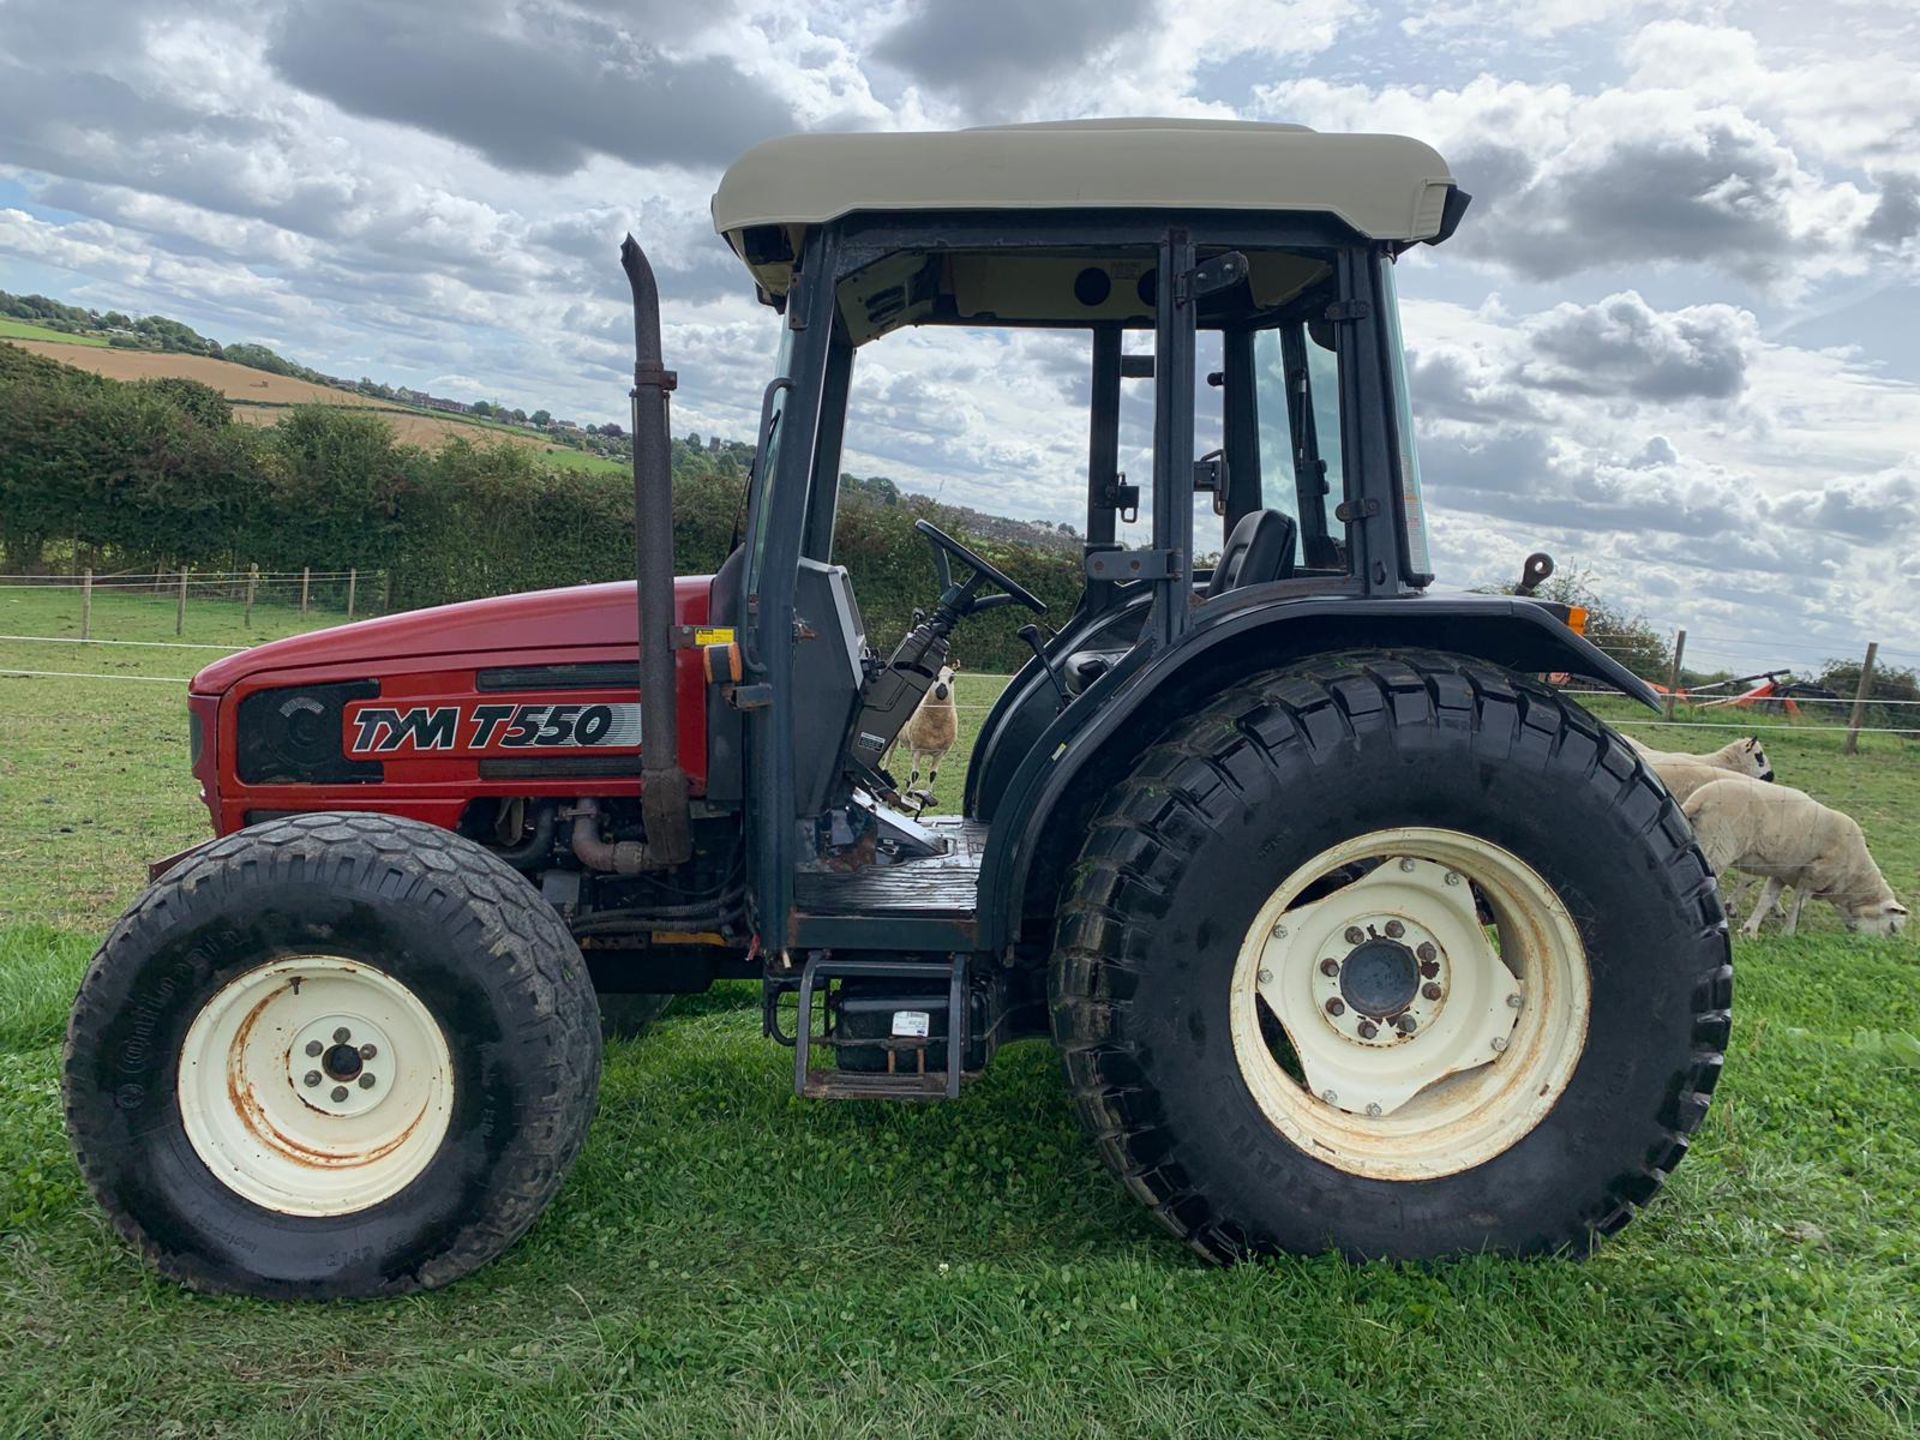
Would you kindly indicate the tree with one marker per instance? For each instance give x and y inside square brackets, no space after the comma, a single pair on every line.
[204,403]
[612,431]
[1628,638]
[541,418]
[481,407]
[519,416]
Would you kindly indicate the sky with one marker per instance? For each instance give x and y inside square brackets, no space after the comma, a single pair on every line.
[1676,342]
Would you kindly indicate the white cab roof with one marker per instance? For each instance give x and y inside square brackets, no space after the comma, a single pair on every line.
[1386,187]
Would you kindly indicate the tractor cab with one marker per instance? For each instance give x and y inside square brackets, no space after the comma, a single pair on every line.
[1273,246]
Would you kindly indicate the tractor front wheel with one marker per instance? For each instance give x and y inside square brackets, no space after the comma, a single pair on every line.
[1393,954]
[334,1055]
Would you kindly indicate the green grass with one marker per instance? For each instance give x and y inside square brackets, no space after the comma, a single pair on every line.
[22,330]
[729,1260]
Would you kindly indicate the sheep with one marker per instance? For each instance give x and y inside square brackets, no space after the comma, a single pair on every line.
[1741,757]
[1682,775]
[930,733]
[1792,839]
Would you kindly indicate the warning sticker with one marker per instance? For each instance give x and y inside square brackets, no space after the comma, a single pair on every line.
[911,1022]
[722,635]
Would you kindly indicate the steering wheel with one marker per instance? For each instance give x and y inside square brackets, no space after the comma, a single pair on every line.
[945,545]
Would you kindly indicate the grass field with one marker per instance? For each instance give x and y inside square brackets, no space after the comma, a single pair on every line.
[23,330]
[728,1260]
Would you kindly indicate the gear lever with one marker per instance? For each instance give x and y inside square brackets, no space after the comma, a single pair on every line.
[1031,634]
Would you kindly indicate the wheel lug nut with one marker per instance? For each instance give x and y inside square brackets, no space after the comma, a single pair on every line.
[1430,969]
[367,1052]
[1406,1024]
[1355,934]
[1329,966]
[1430,990]
[1336,1006]
[1395,929]
[339,1093]
[1373,1109]
[1426,950]
[1328,1096]
[1453,877]
[1499,1044]
[1515,1002]
[1368,1030]
[1279,932]
[366,1079]
[314,1047]
[342,1035]
[1266,977]
[312,1078]
[1406,865]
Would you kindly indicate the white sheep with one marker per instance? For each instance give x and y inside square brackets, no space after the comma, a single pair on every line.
[1792,839]
[1741,757]
[930,734]
[1684,774]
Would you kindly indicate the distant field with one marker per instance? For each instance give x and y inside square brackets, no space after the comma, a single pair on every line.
[21,330]
[238,383]
[261,398]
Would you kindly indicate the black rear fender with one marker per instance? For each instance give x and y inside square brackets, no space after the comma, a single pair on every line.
[1043,812]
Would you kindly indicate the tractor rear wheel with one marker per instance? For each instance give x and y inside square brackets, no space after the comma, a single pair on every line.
[333,1055]
[1392,954]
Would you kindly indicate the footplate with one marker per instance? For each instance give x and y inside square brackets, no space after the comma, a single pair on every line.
[883,1047]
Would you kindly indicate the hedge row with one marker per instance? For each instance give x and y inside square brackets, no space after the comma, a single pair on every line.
[157,474]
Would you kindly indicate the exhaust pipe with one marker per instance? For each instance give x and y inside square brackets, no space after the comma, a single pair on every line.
[663,800]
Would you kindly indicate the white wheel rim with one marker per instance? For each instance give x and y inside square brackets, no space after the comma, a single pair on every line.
[1484,1045]
[275,1095]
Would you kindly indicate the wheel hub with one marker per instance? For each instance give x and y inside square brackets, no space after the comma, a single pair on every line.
[1380,978]
[1388,986]
[340,1063]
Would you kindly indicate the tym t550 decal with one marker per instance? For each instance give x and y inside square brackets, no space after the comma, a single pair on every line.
[489,726]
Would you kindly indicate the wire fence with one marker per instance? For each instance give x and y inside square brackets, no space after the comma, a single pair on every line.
[1706,706]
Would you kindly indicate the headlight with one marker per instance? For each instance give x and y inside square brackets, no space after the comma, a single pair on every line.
[294,736]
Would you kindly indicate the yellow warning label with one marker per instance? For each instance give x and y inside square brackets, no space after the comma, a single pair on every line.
[721,636]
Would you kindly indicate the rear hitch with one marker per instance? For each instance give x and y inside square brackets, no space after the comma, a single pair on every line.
[663,799]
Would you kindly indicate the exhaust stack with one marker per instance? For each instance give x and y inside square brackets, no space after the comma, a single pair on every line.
[663,802]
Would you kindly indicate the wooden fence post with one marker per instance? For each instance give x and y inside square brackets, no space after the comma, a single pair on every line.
[253,582]
[353,581]
[306,575]
[86,605]
[1852,747]
[1673,675]
[386,593]
[180,610]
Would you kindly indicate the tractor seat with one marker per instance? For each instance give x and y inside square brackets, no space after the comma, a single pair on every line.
[1259,550]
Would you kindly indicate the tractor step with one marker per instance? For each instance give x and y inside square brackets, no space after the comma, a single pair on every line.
[901,1031]
[852,1085]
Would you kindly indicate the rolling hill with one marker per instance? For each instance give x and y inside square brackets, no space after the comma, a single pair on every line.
[260,397]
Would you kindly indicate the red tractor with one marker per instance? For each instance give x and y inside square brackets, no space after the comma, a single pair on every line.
[1352,936]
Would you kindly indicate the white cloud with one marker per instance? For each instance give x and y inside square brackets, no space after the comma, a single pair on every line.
[1683,186]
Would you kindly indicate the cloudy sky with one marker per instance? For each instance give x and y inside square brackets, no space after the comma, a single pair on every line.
[1676,343]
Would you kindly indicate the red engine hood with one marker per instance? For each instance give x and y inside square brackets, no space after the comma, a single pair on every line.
[541,620]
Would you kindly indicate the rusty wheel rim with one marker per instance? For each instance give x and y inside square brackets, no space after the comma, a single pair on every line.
[315,1085]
